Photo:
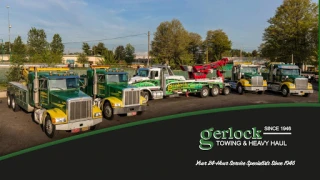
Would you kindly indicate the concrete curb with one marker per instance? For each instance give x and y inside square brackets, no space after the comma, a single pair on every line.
[3,94]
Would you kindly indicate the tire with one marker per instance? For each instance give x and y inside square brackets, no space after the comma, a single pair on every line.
[260,92]
[146,95]
[306,95]
[92,128]
[14,105]
[49,128]
[204,92]
[285,91]
[107,111]
[8,100]
[226,91]
[215,91]
[240,89]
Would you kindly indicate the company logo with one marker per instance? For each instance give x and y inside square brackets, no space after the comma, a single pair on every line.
[209,136]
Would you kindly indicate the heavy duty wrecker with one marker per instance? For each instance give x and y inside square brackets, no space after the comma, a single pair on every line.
[287,79]
[247,77]
[145,74]
[111,92]
[158,85]
[54,97]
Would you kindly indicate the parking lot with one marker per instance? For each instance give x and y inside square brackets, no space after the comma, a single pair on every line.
[18,131]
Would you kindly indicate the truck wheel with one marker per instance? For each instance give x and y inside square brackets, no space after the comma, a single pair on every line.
[240,89]
[215,90]
[14,105]
[49,128]
[226,91]
[306,95]
[94,127]
[204,92]
[107,111]
[146,95]
[285,91]
[9,100]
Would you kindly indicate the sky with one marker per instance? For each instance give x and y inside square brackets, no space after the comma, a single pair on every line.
[119,22]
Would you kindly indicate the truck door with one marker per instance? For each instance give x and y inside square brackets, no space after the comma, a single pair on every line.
[44,92]
[101,85]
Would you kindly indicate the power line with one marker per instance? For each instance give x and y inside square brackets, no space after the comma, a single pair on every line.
[106,39]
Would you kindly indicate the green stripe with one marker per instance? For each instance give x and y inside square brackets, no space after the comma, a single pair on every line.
[158,119]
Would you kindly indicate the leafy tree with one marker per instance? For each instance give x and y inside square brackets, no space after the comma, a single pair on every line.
[82,58]
[254,53]
[217,43]
[19,57]
[107,58]
[56,45]
[86,48]
[129,53]
[170,43]
[37,44]
[195,47]
[19,52]
[120,53]
[292,30]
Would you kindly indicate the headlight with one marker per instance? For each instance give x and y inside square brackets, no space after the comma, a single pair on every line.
[60,120]
[97,114]
[117,104]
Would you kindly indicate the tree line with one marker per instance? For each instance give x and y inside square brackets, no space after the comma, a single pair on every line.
[121,54]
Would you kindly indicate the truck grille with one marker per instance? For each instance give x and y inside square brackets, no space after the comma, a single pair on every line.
[79,109]
[257,81]
[301,83]
[131,97]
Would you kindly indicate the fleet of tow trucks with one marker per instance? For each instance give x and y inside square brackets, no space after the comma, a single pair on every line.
[63,100]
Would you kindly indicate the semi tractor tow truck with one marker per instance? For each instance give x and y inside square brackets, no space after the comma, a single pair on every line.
[287,79]
[159,86]
[54,97]
[145,73]
[111,92]
[247,77]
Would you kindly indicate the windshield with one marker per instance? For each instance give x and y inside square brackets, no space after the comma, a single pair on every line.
[249,70]
[290,72]
[116,78]
[143,73]
[63,84]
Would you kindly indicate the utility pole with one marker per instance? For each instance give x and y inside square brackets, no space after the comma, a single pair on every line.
[9,26]
[148,48]
[292,59]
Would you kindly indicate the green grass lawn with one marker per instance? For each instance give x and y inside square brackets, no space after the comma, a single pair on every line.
[3,87]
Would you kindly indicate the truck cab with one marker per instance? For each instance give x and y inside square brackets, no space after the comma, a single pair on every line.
[287,79]
[147,73]
[55,99]
[247,77]
[111,92]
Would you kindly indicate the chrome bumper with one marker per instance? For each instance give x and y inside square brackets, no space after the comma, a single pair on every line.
[259,88]
[79,124]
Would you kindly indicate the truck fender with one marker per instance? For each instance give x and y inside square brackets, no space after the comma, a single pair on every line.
[110,100]
[54,113]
